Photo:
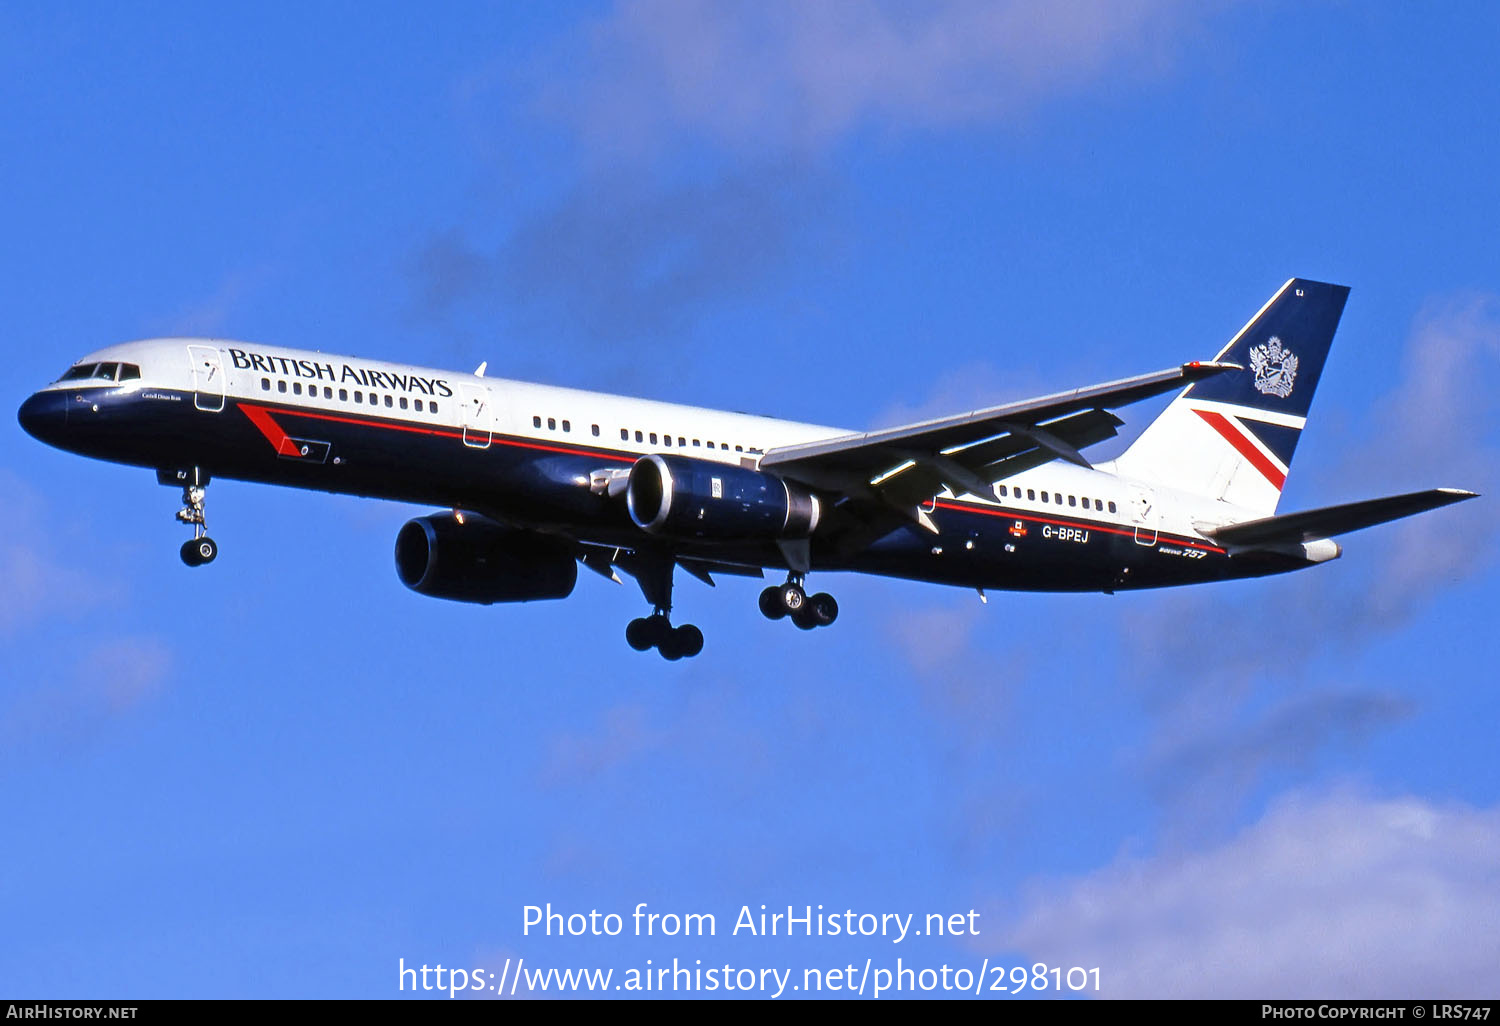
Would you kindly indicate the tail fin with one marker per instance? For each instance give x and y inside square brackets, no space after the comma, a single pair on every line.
[1232,436]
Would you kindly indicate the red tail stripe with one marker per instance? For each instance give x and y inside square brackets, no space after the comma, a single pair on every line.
[1246,448]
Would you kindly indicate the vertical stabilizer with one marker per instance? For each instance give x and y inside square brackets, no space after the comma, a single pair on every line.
[1232,437]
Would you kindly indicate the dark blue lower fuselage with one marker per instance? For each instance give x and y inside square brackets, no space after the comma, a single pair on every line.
[545,485]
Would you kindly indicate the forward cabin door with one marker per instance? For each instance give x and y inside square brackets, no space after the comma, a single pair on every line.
[478,420]
[208,378]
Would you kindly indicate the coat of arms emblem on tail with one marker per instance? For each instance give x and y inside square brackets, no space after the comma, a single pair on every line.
[1275,368]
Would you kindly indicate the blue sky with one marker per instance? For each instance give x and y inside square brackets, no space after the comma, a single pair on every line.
[278,775]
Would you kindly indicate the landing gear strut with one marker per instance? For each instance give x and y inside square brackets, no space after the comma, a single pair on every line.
[201,549]
[654,575]
[791,600]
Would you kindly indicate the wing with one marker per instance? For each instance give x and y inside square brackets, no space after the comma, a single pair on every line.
[899,468]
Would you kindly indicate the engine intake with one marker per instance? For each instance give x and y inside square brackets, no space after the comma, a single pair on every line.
[678,496]
[481,561]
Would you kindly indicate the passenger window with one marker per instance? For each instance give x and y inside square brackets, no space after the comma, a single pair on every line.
[1031,494]
[129,372]
[432,406]
[418,404]
[359,397]
[596,430]
[681,440]
[1044,496]
[624,434]
[343,395]
[1003,491]
[697,446]
[551,423]
[1072,500]
[638,436]
[667,440]
[327,392]
[1112,508]
[1057,498]
[296,388]
[739,448]
[265,384]
[1099,505]
[388,402]
[403,402]
[536,422]
[281,386]
[653,438]
[567,426]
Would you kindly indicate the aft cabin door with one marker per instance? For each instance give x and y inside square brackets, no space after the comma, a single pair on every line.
[477,416]
[1143,512]
[208,378]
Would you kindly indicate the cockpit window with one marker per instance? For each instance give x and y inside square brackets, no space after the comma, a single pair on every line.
[102,372]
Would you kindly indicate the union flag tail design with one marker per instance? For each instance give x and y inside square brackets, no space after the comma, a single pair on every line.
[1232,436]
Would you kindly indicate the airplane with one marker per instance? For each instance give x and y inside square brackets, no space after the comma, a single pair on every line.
[533,481]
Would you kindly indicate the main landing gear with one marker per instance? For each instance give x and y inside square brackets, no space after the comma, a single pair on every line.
[790,600]
[654,574]
[201,549]
[656,631]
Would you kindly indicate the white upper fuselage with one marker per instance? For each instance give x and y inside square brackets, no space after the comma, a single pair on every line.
[549,415]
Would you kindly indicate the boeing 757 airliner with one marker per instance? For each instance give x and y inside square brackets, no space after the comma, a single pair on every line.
[534,480]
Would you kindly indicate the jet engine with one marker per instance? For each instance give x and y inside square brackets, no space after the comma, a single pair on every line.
[682,497]
[474,559]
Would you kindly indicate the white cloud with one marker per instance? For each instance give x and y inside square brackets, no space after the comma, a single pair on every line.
[108,679]
[620,257]
[37,583]
[1438,428]
[790,75]
[1335,896]
[121,673]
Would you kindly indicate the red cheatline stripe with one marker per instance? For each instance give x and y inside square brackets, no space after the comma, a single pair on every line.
[1236,437]
[416,430]
[1087,525]
[262,419]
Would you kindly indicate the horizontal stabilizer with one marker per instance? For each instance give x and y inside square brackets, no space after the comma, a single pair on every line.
[1309,525]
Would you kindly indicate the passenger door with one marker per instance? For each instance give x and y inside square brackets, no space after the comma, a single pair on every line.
[477,417]
[1143,512]
[208,378]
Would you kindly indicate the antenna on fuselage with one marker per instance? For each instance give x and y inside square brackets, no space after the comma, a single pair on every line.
[479,371]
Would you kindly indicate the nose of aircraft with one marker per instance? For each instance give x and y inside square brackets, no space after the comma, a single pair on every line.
[44,416]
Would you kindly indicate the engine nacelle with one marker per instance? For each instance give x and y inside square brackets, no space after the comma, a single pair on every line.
[682,497]
[481,561]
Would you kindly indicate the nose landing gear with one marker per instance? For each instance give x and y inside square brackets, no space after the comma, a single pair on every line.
[201,548]
[791,600]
